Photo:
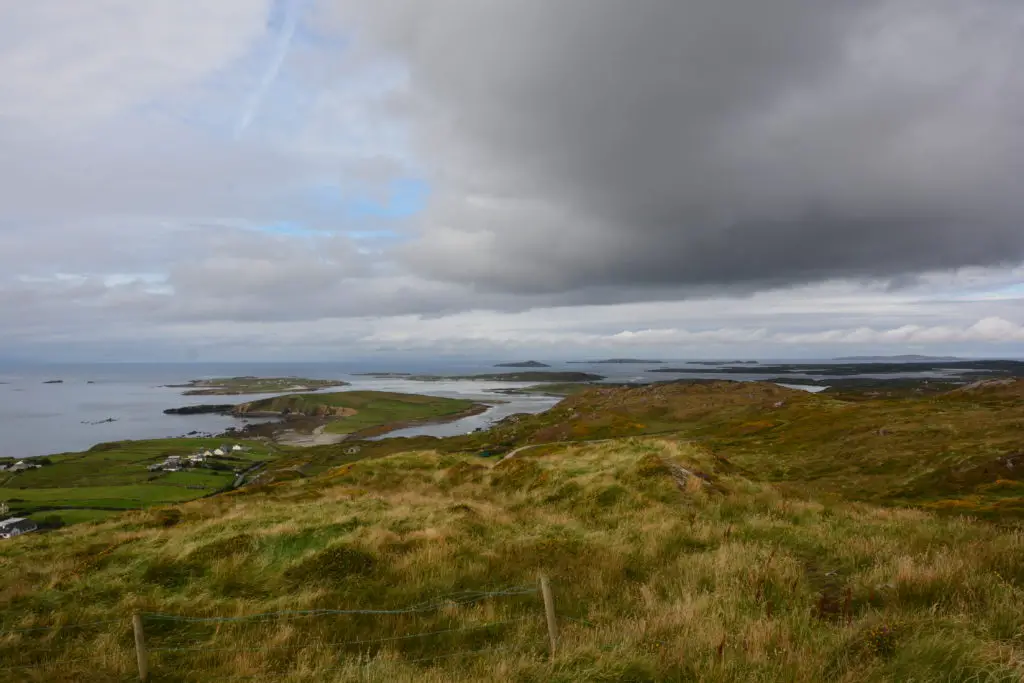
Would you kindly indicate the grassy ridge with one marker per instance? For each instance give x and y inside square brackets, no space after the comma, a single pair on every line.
[955,451]
[659,575]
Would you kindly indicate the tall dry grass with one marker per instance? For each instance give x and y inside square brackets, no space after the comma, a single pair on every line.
[664,567]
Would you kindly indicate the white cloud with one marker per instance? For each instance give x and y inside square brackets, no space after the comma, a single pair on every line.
[75,62]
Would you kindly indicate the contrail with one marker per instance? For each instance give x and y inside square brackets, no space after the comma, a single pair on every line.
[291,22]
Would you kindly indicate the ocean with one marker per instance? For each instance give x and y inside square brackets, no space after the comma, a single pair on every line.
[37,418]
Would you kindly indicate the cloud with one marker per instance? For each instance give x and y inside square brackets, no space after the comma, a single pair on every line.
[592,143]
[69,64]
[284,44]
[474,177]
[987,331]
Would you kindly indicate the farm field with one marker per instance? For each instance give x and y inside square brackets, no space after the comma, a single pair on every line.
[115,475]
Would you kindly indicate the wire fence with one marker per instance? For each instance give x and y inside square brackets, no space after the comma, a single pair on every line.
[182,643]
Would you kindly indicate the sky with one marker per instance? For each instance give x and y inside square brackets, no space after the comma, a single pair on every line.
[318,180]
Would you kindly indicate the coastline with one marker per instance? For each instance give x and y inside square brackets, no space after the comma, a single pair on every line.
[284,435]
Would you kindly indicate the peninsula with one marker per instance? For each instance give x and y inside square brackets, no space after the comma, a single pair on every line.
[230,386]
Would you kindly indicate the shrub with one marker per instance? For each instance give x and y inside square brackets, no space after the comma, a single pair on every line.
[167,517]
[51,522]
[171,573]
[333,564]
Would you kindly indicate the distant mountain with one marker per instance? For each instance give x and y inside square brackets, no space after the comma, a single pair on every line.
[909,358]
[523,364]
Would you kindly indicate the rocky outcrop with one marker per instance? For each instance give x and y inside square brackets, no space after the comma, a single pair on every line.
[202,409]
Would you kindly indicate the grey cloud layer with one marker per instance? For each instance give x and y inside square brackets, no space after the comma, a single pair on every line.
[578,152]
[688,142]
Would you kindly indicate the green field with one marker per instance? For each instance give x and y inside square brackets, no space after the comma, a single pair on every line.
[115,476]
[74,516]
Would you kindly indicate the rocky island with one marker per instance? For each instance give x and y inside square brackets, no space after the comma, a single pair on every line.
[618,361]
[523,364]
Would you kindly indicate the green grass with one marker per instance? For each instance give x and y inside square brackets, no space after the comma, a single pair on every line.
[99,496]
[658,575]
[75,516]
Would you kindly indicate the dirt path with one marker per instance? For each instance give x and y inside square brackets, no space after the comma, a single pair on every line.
[318,437]
[513,453]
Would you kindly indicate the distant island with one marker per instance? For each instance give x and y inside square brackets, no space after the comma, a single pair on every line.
[716,362]
[230,386]
[515,377]
[909,358]
[618,361]
[54,381]
[523,364]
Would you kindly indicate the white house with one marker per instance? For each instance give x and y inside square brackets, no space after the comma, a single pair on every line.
[16,526]
[218,452]
[236,447]
[207,454]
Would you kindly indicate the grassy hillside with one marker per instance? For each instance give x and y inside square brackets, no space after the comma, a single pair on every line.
[667,565]
[692,532]
[958,451]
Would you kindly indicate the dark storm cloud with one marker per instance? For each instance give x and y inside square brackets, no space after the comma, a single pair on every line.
[657,143]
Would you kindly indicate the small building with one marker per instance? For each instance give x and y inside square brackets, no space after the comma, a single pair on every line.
[207,454]
[21,466]
[16,526]
[218,452]
[236,448]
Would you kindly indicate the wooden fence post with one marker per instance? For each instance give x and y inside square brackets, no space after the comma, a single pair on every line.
[140,647]
[549,611]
